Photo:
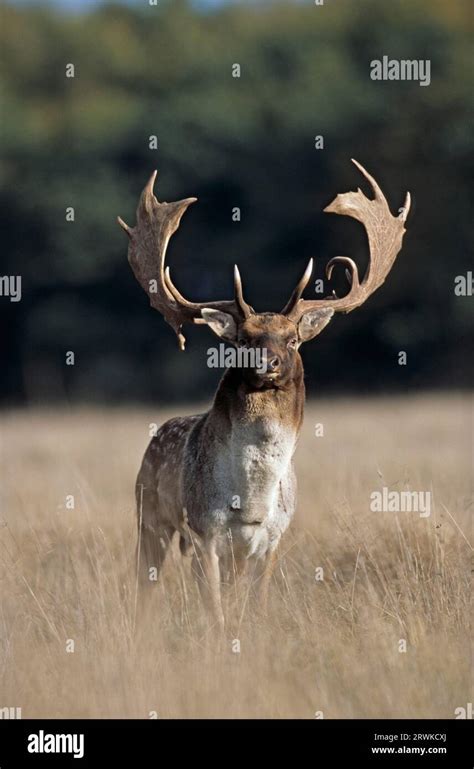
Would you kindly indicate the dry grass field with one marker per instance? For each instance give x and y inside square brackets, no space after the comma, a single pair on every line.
[328,645]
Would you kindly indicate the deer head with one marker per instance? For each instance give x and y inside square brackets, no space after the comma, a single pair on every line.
[278,334]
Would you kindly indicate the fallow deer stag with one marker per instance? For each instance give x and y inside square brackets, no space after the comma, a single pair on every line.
[242,448]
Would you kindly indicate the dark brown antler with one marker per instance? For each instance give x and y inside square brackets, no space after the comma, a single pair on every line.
[385,234]
[156,223]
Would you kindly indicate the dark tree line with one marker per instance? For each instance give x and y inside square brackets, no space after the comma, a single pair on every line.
[247,142]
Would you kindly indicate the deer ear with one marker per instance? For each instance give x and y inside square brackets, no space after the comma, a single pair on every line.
[221,323]
[313,322]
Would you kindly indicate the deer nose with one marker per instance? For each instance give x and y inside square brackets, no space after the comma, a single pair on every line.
[274,363]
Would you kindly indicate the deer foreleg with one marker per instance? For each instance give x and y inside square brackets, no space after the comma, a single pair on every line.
[265,579]
[207,572]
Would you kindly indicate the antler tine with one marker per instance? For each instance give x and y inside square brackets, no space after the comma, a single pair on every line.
[385,234]
[298,291]
[156,223]
[377,191]
[405,210]
[124,226]
[245,308]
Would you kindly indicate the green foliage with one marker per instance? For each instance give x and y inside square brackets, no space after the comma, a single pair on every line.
[247,142]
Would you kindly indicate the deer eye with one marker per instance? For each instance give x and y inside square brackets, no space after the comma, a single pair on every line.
[292,344]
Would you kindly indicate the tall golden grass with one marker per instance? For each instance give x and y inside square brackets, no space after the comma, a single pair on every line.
[328,646]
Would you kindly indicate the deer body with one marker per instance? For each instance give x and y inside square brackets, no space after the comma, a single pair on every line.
[224,480]
[225,476]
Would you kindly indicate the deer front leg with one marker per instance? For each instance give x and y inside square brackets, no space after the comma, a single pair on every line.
[265,579]
[207,573]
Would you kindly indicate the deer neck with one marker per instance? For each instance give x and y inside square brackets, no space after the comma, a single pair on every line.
[257,431]
[237,402]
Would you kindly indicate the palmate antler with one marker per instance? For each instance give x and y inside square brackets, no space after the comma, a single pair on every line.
[385,234]
[156,223]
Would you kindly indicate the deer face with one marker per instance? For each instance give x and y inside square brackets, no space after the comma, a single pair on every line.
[275,337]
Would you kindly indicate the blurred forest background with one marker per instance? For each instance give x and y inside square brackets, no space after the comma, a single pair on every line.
[247,142]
